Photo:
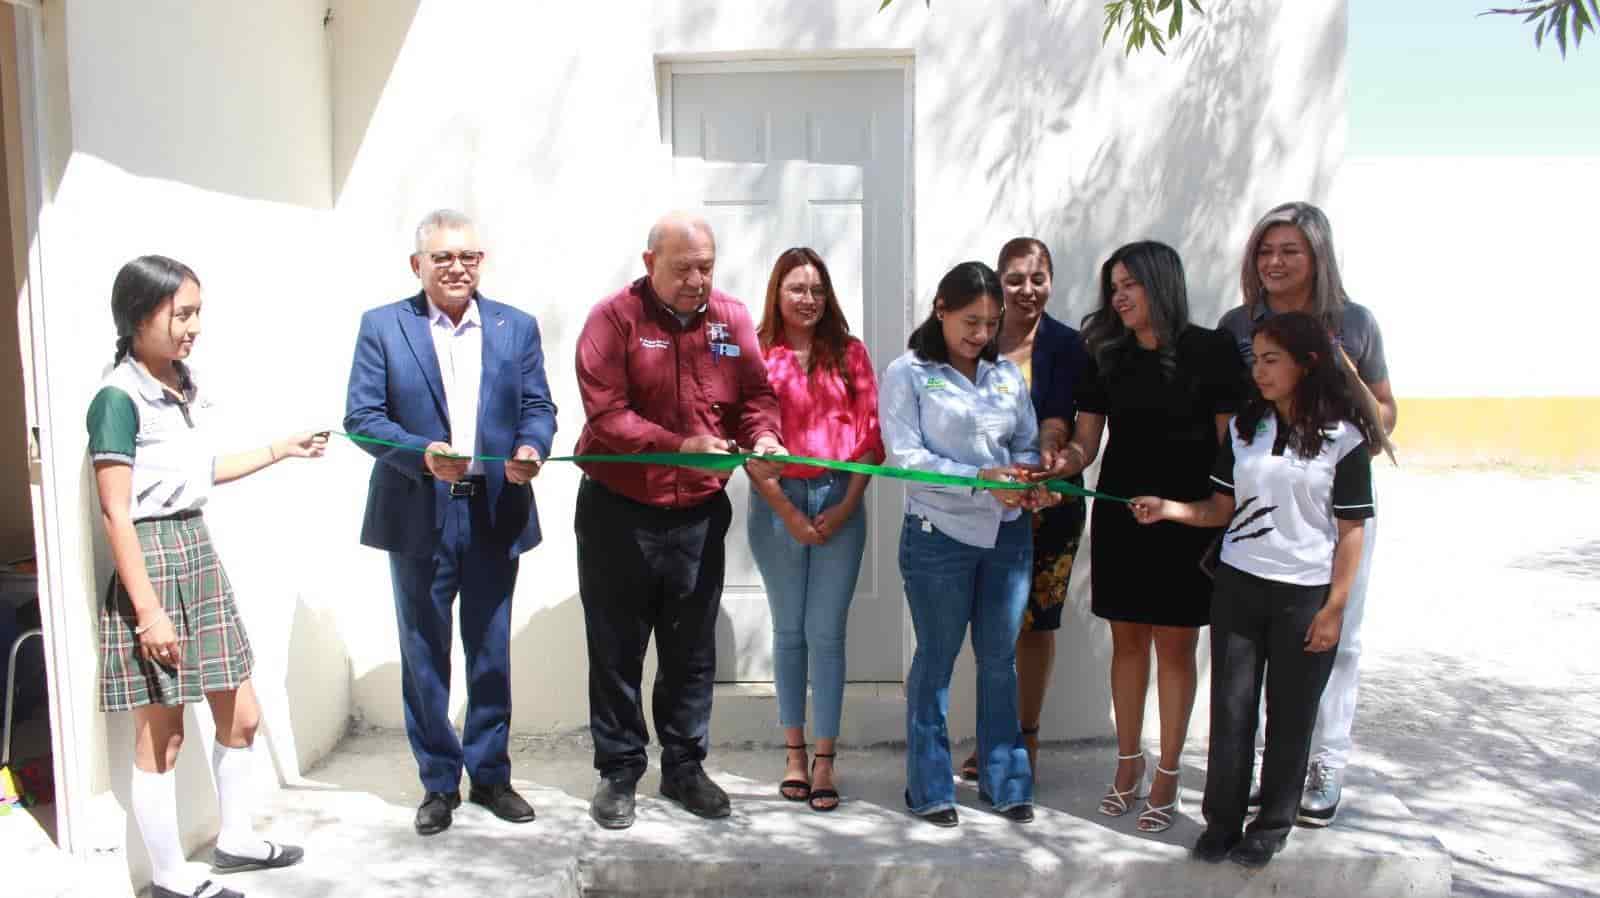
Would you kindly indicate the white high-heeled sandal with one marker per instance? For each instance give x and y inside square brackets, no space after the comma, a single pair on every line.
[1155,819]
[1115,802]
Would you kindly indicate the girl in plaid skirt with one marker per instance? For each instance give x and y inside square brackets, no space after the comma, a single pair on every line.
[170,632]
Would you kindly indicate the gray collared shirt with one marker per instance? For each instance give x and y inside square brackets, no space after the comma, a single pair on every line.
[1357,333]
[935,419]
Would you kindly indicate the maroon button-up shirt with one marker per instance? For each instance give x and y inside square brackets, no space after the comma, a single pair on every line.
[649,382]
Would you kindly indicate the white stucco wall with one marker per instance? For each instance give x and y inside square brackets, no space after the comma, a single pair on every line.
[541,120]
[1443,248]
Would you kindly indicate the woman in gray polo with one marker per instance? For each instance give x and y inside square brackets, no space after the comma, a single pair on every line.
[170,632]
[1289,266]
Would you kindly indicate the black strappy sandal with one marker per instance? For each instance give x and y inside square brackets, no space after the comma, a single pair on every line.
[822,794]
[1033,756]
[787,787]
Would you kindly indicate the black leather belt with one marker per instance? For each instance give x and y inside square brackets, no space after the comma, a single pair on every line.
[470,486]
[185,515]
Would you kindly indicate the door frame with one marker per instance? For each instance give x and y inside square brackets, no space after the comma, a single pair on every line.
[903,61]
[27,155]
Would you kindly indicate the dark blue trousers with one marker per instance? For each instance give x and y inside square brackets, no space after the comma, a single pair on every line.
[472,562]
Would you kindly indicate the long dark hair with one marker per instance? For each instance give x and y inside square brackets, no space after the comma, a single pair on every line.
[832,337]
[138,293]
[960,287]
[1325,395]
[1157,268]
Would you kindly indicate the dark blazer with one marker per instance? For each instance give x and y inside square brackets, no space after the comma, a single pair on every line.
[1059,359]
[396,395]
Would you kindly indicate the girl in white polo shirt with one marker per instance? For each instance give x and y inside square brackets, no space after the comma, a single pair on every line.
[1294,487]
[170,632]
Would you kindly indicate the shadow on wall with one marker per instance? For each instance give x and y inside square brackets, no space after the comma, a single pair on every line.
[1195,175]
[221,125]
[365,38]
[547,653]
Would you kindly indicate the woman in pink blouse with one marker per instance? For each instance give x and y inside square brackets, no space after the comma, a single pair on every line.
[807,526]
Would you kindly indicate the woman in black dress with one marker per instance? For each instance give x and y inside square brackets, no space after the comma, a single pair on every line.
[1167,388]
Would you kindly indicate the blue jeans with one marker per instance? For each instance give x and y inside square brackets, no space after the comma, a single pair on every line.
[809,590]
[949,583]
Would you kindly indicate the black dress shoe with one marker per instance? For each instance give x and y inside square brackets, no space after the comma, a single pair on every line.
[612,805]
[159,892]
[946,817]
[277,856]
[1214,844]
[694,790]
[433,815]
[1256,851]
[502,801]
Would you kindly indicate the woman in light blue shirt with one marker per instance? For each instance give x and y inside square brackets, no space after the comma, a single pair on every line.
[952,406]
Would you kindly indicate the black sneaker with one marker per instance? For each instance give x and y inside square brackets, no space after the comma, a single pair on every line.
[694,790]
[612,805]
[946,817]
[1256,851]
[1213,845]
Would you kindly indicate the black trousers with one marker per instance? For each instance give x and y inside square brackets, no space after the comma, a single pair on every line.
[644,570]
[1258,627]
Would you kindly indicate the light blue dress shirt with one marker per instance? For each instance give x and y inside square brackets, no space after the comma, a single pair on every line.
[935,419]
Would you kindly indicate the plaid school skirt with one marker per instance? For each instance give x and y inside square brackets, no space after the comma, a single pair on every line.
[214,654]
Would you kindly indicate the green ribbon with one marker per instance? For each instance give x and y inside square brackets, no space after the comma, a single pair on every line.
[729,461]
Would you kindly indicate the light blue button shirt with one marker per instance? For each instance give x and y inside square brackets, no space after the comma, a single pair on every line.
[934,419]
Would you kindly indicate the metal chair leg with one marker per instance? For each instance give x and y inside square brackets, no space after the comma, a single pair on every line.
[11,692]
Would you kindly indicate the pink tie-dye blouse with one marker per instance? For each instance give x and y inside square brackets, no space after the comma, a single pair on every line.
[821,419]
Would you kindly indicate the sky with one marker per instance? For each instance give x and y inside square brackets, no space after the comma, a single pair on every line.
[1431,77]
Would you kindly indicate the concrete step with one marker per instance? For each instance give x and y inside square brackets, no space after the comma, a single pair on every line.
[354,817]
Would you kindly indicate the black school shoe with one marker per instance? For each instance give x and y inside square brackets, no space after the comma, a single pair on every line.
[159,892]
[277,856]
[1214,844]
[696,792]
[1256,851]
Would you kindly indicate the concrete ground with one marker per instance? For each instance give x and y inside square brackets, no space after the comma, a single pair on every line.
[355,822]
[1480,704]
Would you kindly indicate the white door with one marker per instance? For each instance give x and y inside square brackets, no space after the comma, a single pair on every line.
[816,158]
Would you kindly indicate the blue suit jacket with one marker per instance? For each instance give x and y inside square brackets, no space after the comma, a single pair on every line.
[396,395]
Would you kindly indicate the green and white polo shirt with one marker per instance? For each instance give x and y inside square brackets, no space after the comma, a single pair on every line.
[136,420]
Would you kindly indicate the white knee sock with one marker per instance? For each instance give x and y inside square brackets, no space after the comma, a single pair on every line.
[236,803]
[155,806]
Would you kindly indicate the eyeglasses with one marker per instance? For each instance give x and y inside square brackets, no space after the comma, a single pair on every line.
[468,258]
[799,290]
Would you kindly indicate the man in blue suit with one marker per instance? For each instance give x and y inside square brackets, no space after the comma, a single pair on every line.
[446,375]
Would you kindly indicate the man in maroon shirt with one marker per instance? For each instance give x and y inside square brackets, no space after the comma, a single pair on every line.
[665,365]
